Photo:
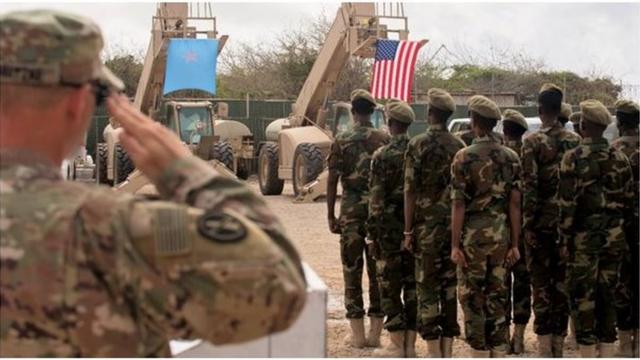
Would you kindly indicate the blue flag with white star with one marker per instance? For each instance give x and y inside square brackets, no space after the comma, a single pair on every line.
[191,64]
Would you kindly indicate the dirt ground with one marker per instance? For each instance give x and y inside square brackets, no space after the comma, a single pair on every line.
[306,225]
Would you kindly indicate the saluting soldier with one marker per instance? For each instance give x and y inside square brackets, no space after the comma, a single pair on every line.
[485,229]
[628,118]
[514,125]
[395,266]
[350,162]
[541,155]
[427,230]
[89,272]
[596,199]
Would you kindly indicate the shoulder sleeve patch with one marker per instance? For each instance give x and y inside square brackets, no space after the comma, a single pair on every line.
[171,233]
[221,227]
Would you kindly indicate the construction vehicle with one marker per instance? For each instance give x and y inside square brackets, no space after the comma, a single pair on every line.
[297,146]
[197,119]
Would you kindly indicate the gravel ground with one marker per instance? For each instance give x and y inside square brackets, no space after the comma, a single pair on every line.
[306,225]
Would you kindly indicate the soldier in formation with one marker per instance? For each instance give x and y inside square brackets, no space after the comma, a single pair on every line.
[518,282]
[485,229]
[349,162]
[87,271]
[542,152]
[596,199]
[395,265]
[427,174]
[628,118]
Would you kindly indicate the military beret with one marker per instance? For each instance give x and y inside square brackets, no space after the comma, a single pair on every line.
[401,111]
[594,112]
[46,47]
[362,94]
[565,111]
[484,106]
[441,99]
[627,107]
[575,117]
[550,87]
[515,117]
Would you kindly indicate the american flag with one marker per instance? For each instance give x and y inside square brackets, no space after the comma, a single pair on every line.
[393,69]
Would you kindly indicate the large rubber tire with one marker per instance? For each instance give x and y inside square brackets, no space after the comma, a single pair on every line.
[223,152]
[124,165]
[270,184]
[307,165]
[101,166]
[243,170]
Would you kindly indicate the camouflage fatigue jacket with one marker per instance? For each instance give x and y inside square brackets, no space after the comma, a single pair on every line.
[386,204]
[541,155]
[596,193]
[483,176]
[350,157]
[467,136]
[427,172]
[629,144]
[515,145]
[87,271]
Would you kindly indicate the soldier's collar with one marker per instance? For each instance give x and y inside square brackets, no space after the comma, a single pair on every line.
[437,127]
[38,165]
[555,125]
[358,124]
[484,139]
[594,140]
[400,136]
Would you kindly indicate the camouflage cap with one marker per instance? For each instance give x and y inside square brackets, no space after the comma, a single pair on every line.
[575,117]
[515,117]
[47,47]
[484,106]
[401,111]
[627,107]
[594,112]
[362,94]
[441,99]
[550,87]
[565,111]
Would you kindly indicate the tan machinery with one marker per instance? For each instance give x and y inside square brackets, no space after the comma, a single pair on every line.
[193,119]
[296,147]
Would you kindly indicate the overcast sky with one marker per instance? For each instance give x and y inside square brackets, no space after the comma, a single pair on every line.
[580,37]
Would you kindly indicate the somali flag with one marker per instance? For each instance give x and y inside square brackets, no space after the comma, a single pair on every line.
[191,64]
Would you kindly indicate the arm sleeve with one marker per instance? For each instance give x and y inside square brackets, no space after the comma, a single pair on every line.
[529,184]
[218,268]
[334,161]
[377,196]
[411,166]
[458,178]
[567,197]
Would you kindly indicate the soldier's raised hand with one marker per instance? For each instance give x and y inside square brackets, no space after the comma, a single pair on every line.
[152,147]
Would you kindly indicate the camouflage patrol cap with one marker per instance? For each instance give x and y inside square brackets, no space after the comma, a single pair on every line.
[441,99]
[362,94]
[402,112]
[550,87]
[515,117]
[565,111]
[594,112]
[575,117]
[484,106]
[47,47]
[627,107]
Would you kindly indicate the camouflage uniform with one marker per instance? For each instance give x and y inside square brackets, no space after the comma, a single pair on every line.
[350,157]
[90,272]
[518,279]
[627,294]
[395,268]
[483,176]
[541,155]
[428,174]
[467,136]
[595,195]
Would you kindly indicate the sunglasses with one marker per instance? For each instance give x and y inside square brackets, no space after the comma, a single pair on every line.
[101,91]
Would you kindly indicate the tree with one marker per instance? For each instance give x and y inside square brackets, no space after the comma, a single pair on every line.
[128,68]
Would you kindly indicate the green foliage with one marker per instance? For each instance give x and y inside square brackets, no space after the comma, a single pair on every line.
[128,68]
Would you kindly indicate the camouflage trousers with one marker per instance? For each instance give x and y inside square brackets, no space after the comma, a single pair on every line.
[435,282]
[548,282]
[353,252]
[593,276]
[397,290]
[483,296]
[518,285]
[627,301]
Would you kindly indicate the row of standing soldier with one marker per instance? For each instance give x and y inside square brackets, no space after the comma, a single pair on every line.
[455,218]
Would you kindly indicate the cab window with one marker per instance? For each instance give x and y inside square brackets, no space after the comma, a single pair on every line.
[194,123]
